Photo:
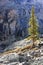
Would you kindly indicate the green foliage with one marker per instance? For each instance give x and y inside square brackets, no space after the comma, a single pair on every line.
[33,26]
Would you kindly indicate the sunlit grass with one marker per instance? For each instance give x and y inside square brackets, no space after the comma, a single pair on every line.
[19,50]
[23,49]
[28,38]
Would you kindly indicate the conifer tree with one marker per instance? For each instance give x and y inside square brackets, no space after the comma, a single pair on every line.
[33,26]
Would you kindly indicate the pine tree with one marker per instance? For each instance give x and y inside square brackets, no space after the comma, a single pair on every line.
[33,27]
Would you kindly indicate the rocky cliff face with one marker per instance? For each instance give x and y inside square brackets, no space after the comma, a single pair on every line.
[20,10]
[23,10]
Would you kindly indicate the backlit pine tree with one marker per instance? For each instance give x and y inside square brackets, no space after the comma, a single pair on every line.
[33,27]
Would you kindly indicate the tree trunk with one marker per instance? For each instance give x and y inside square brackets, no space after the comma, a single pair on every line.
[33,42]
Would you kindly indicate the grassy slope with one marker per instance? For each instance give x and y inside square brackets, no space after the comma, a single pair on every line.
[20,50]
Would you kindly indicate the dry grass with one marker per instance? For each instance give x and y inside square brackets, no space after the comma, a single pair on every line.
[11,51]
[26,47]
[17,50]
[28,38]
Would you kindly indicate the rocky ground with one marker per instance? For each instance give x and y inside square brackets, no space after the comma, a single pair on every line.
[25,56]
